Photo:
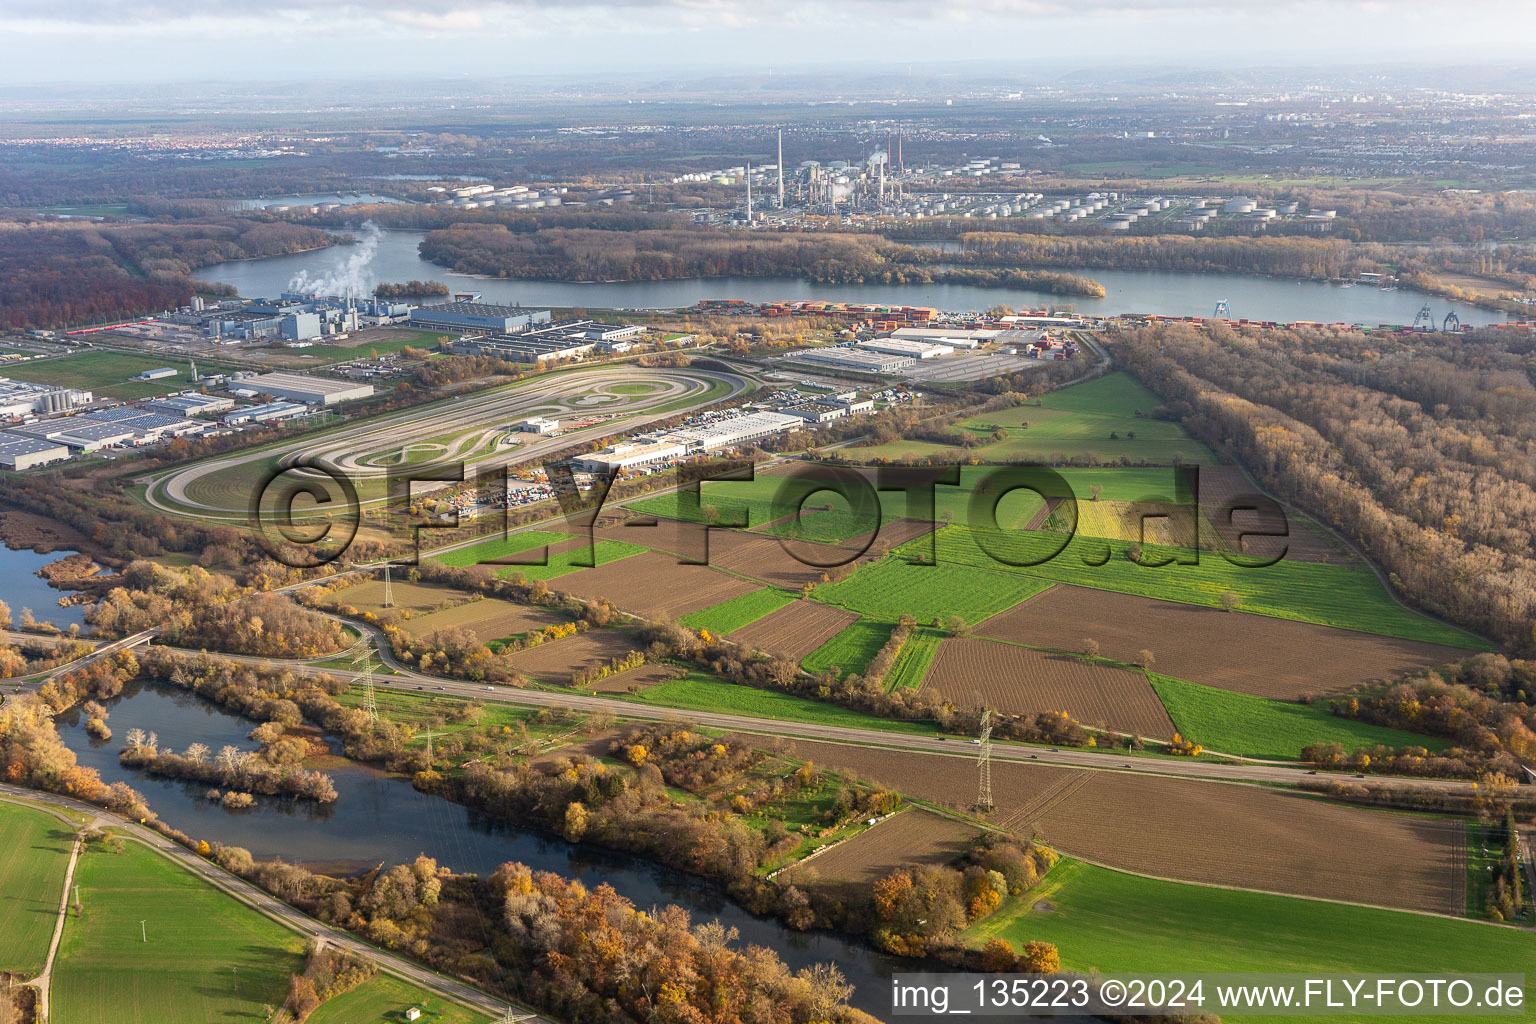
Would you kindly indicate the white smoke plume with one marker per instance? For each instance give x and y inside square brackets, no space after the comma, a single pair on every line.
[351,276]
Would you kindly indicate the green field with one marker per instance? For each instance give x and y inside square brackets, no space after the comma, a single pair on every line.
[500,547]
[383,999]
[1114,922]
[112,373]
[893,587]
[34,852]
[201,945]
[1333,595]
[1249,726]
[563,562]
[828,516]
[736,612]
[324,355]
[916,656]
[699,692]
[850,650]
[1073,423]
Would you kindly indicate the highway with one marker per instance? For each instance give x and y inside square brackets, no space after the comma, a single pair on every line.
[83,815]
[1258,773]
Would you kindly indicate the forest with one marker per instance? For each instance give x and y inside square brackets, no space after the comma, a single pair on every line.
[66,273]
[592,254]
[1415,448]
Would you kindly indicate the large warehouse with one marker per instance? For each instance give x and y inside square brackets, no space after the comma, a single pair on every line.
[855,359]
[300,387]
[477,316]
[519,348]
[914,349]
[733,431]
[18,452]
[632,455]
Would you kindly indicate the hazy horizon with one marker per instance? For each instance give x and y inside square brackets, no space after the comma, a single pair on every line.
[110,41]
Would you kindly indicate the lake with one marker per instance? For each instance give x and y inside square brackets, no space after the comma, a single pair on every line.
[21,587]
[380,817]
[1126,291]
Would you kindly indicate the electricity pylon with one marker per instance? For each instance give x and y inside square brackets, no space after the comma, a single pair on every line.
[363,664]
[513,1017]
[389,592]
[984,763]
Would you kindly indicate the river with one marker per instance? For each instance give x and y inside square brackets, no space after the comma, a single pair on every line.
[1126,291]
[380,817]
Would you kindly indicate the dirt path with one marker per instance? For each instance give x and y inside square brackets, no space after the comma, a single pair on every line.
[43,979]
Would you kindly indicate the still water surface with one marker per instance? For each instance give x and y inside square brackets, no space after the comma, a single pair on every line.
[379,817]
[1127,291]
[21,587]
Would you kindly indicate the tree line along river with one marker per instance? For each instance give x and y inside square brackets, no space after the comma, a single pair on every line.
[381,817]
[1126,291]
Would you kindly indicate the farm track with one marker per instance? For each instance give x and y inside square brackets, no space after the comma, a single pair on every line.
[1459,866]
[1055,793]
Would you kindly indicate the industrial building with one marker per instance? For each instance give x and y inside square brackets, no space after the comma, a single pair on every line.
[18,452]
[538,425]
[21,398]
[523,348]
[190,404]
[148,426]
[859,360]
[565,339]
[734,431]
[161,374]
[914,349]
[630,455]
[944,335]
[828,409]
[300,387]
[77,433]
[271,412]
[105,428]
[291,317]
[477,316]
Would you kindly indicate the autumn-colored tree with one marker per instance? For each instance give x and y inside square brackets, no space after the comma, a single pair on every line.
[998,956]
[1039,958]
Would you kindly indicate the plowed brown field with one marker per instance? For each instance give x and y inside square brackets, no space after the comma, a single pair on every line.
[795,630]
[1019,681]
[644,676]
[554,662]
[489,619]
[1254,654]
[763,558]
[1219,485]
[911,837]
[654,585]
[1227,834]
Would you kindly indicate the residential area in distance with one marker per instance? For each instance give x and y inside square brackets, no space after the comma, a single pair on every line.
[704,527]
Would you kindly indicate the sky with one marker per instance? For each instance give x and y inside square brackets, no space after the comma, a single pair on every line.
[101,41]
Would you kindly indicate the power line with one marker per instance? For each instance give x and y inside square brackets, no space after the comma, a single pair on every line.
[363,665]
[984,763]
